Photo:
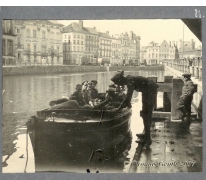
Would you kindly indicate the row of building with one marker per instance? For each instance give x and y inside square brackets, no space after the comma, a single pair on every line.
[155,53]
[49,42]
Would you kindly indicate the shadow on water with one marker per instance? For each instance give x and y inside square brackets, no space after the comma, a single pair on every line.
[79,153]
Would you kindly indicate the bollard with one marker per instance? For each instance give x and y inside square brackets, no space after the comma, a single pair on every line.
[193,71]
[196,72]
[154,79]
[167,96]
[188,69]
[200,73]
[177,85]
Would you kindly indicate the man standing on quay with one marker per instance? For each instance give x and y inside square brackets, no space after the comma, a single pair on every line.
[149,91]
[184,104]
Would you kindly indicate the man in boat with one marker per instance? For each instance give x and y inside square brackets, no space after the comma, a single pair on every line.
[185,101]
[93,92]
[113,98]
[85,92]
[149,92]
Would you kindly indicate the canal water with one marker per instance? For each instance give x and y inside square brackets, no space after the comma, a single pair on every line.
[24,95]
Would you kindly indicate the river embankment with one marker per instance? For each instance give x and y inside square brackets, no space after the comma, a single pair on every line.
[30,70]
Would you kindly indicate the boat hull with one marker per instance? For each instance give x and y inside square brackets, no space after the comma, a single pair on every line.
[66,145]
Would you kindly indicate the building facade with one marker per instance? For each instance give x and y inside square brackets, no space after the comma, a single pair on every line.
[152,55]
[115,50]
[38,42]
[143,54]
[97,47]
[105,48]
[8,43]
[73,45]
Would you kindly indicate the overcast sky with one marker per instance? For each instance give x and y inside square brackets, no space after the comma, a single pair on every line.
[148,29]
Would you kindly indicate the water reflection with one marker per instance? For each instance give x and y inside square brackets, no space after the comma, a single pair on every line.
[24,95]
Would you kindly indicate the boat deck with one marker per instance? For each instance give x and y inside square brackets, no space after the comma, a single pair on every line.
[176,147]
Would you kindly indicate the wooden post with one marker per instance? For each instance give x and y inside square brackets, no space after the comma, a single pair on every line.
[167,96]
[177,85]
[154,79]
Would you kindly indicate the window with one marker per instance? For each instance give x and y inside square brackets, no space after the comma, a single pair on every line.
[7,26]
[34,33]
[57,49]
[81,42]
[10,47]
[82,37]
[74,48]
[17,30]
[65,48]
[74,42]
[43,49]
[156,55]
[43,34]
[77,48]
[77,41]
[74,36]
[78,36]
[34,48]
[4,47]
[82,49]
[28,32]
[19,55]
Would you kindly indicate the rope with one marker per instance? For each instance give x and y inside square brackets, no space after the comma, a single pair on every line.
[26,151]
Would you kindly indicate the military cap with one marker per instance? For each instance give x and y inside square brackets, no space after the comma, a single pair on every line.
[186,74]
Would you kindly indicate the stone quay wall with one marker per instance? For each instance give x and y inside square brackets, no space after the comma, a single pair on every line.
[30,70]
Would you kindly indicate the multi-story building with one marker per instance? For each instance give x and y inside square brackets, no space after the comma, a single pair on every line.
[91,43]
[143,53]
[80,44]
[74,44]
[136,40]
[105,48]
[130,48]
[152,55]
[186,45]
[164,50]
[38,41]
[115,50]
[8,43]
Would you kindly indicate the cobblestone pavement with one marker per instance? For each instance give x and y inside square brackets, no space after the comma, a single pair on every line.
[176,147]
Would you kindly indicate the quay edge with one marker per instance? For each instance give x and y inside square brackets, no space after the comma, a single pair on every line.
[36,70]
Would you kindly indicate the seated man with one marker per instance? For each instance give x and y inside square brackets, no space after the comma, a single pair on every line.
[77,95]
[93,92]
[85,92]
[113,99]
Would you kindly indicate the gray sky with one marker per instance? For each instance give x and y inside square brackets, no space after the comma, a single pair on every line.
[148,29]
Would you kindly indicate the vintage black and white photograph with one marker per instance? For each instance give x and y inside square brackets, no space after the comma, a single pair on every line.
[102,96]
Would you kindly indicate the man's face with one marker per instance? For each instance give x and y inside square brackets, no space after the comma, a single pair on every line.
[79,88]
[84,86]
[93,85]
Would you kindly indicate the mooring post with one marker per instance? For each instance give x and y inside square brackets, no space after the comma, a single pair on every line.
[177,84]
[167,96]
[154,79]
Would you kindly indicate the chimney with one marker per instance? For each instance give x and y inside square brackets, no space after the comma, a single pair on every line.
[81,23]
[131,34]
[107,32]
[94,27]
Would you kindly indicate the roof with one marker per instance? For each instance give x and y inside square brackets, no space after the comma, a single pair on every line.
[105,35]
[90,30]
[55,22]
[73,27]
